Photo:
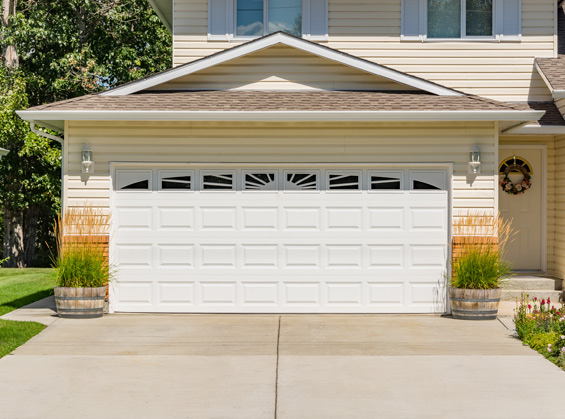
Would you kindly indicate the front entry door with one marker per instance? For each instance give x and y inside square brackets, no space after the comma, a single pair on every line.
[524,209]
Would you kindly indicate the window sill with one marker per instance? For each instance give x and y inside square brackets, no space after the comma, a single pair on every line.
[479,40]
[251,38]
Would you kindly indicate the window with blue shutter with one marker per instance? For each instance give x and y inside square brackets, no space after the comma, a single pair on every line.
[229,19]
[461,19]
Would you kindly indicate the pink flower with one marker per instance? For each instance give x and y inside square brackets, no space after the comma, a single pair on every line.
[535,298]
[548,300]
[553,307]
[529,306]
[542,302]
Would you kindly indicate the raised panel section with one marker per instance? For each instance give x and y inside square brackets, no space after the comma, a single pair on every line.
[428,218]
[176,218]
[303,256]
[134,218]
[386,256]
[218,293]
[218,256]
[344,256]
[424,293]
[176,255]
[429,256]
[260,218]
[302,218]
[386,219]
[176,292]
[306,293]
[135,292]
[218,218]
[263,293]
[260,256]
[344,218]
[345,293]
[134,255]
[386,293]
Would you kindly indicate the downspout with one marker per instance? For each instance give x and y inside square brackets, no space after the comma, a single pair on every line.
[60,141]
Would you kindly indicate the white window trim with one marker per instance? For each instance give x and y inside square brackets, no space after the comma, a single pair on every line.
[496,26]
[232,24]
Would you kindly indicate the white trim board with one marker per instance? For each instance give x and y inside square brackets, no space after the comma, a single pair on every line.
[280,38]
[536,130]
[544,192]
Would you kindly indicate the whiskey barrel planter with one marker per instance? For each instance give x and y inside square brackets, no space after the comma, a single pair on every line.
[80,303]
[473,304]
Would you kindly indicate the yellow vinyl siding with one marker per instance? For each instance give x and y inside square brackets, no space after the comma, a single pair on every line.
[560,206]
[552,163]
[282,68]
[371,29]
[184,142]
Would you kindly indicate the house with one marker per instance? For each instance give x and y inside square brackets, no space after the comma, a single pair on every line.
[310,155]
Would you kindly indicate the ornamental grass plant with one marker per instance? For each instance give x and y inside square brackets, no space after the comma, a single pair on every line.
[481,241]
[81,260]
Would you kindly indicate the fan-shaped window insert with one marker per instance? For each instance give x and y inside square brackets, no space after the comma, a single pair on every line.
[515,161]
[301,181]
[218,181]
[176,181]
[133,180]
[428,180]
[344,181]
[260,181]
[385,181]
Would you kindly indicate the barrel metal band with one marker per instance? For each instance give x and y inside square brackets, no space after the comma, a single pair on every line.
[475,300]
[103,297]
[466,312]
[75,310]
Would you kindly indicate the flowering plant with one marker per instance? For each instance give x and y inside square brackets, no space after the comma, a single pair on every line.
[541,326]
[515,189]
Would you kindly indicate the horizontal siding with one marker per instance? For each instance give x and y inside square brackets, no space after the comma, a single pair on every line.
[552,211]
[371,29]
[560,207]
[281,143]
[282,68]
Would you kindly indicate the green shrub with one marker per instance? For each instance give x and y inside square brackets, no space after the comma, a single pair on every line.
[480,267]
[540,341]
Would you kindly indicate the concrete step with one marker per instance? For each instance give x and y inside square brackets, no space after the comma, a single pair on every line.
[531,283]
[555,296]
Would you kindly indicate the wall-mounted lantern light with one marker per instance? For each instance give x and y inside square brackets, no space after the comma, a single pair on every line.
[87,160]
[3,152]
[475,161]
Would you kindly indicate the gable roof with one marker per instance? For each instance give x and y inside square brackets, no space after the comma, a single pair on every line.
[552,71]
[281,38]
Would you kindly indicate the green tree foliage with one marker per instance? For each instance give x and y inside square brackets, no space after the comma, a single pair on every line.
[65,49]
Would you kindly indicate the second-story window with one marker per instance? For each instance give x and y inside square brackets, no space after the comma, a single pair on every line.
[460,18]
[261,17]
[229,19]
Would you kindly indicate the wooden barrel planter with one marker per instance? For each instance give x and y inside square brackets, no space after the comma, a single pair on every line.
[80,303]
[471,304]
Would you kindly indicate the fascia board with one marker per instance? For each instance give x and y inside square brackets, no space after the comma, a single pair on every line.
[165,19]
[253,46]
[558,94]
[542,74]
[365,116]
[537,130]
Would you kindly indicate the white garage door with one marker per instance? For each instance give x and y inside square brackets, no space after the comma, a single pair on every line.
[333,239]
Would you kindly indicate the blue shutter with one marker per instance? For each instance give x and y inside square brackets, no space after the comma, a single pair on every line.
[316,19]
[413,14]
[219,19]
[511,19]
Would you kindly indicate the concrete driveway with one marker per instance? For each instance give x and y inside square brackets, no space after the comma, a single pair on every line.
[271,366]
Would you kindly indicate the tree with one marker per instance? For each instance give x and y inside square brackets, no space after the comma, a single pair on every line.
[55,50]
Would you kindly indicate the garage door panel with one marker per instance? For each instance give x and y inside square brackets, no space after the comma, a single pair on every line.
[284,249]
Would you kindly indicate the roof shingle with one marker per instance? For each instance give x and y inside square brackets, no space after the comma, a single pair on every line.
[554,71]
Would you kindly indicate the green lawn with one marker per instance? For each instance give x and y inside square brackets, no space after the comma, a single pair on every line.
[19,287]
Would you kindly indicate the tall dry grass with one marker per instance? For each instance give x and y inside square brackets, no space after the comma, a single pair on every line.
[81,259]
[480,242]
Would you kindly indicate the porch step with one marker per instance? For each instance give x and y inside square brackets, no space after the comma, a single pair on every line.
[513,294]
[531,283]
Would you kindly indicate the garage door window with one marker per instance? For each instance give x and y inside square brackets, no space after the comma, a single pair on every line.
[428,180]
[218,181]
[260,181]
[176,181]
[301,181]
[133,180]
[344,181]
[385,181]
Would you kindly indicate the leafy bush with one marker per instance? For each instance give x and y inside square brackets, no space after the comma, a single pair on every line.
[81,261]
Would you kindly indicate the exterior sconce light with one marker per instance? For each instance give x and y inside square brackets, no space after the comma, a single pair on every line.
[3,152]
[475,161]
[87,161]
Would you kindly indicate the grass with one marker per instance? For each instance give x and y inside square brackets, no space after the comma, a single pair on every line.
[19,287]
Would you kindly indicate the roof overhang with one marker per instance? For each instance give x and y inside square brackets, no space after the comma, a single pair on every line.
[280,38]
[556,94]
[534,129]
[164,9]
[57,118]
